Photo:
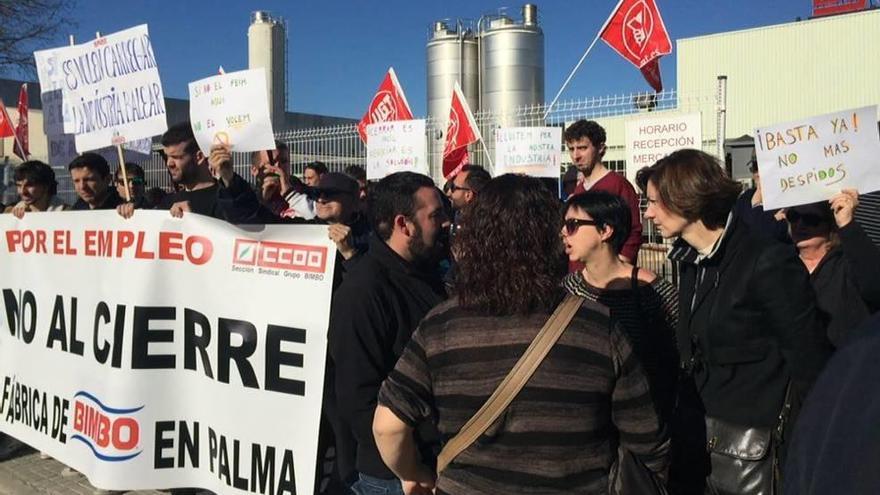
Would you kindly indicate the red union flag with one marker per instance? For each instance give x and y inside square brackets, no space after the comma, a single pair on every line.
[636,31]
[21,130]
[6,129]
[461,131]
[389,104]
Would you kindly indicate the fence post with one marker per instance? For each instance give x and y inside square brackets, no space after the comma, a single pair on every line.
[721,117]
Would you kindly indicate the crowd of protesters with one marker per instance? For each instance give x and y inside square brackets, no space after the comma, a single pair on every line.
[700,387]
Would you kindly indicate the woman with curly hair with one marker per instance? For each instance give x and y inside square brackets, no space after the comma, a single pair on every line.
[597,224]
[559,434]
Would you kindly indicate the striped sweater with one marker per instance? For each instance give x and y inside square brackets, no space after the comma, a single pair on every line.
[559,435]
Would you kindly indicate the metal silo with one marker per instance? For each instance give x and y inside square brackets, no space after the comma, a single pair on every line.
[511,64]
[267,48]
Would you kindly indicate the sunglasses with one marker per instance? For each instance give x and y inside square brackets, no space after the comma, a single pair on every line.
[453,188]
[132,180]
[572,224]
[808,220]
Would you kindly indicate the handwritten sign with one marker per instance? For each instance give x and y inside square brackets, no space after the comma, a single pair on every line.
[232,109]
[396,147]
[533,151]
[810,160]
[110,88]
[648,140]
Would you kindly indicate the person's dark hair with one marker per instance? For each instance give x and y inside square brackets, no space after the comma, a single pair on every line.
[37,172]
[586,128]
[477,177]
[356,172]
[508,251]
[92,161]
[607,210]
[692,184]
[181,133]
[318,167]
[131,169]
[395,195]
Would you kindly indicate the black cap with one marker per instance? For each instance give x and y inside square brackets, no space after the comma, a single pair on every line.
[336,182]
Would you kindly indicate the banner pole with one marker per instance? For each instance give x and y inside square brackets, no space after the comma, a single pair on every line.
[124,172]
[568,79]
[486,151]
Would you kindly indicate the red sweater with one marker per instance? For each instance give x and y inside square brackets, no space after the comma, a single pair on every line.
[615,183]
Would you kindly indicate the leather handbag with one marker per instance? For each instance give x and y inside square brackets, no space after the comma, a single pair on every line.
[629,476]
[745,460]
[515,380]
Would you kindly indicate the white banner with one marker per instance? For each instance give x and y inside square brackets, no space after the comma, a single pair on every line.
[397,146]
[157,352]
[812,159]
[110,88]
[648,140]
[533,151]
[232,109]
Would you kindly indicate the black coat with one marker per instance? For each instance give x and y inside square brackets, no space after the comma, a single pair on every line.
[847,282]
[375,311]
[754,326]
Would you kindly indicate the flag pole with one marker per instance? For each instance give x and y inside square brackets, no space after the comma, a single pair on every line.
[568,79]
[486,151]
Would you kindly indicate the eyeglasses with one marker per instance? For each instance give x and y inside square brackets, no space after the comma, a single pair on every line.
[572,224]
[131,180]
[453,188]
[808,220]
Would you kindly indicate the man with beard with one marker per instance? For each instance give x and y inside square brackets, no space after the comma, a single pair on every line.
[586,144]
[379,305]
[228,197]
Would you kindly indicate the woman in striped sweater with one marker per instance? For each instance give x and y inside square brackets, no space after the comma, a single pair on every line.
[560,433]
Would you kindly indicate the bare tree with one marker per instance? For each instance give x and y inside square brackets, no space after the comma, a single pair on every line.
[29,25]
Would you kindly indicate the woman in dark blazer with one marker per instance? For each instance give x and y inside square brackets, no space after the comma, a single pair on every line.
[750,337]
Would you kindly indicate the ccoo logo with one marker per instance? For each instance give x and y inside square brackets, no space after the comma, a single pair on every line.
[113,434]
[638,25]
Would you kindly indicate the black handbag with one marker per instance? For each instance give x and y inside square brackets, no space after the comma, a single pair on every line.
[629,476]
[744,460]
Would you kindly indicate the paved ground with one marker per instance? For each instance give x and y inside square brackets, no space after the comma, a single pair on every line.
[27,474]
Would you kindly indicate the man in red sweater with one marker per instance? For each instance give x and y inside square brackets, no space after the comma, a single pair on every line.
[586,143]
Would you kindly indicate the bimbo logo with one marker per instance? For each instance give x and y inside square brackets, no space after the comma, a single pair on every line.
[638,24]
[382,108]
[282,255]
[112,433]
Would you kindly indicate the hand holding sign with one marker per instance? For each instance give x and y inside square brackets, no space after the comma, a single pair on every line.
[232,110]
[220,162]
[844,205]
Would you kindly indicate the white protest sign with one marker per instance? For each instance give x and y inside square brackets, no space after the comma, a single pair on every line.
[812,159]
[648,140]
[232,109]
[110,88]
[533,151]
[396,146]
[116,360]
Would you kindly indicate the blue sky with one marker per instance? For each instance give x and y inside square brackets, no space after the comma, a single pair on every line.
[339,50]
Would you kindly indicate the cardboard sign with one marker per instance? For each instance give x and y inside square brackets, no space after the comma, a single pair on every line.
[232,109]
[396,146]
[110,88]
[648,140]
[116,361]
[812,159]
[533,151]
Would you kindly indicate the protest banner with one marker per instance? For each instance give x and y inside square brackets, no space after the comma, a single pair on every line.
[648,140]
[812,159]
[396,146]
[533,151]
[110,88]
[158,352]
[232,109]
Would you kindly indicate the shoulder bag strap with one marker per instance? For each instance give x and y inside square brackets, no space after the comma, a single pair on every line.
[512,383]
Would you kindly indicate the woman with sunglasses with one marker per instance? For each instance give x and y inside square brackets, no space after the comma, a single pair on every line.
[749,335]
[844,264]
[597,223]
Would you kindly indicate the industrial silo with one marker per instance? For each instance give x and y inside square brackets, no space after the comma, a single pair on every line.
[267,48]
[511,64]
[451,57]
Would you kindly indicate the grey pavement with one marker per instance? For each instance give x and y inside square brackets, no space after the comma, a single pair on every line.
[26,474]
